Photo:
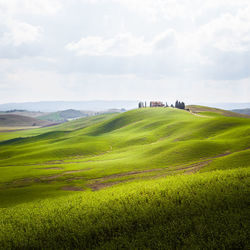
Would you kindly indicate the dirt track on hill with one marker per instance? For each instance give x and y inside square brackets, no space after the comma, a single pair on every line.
[111,180]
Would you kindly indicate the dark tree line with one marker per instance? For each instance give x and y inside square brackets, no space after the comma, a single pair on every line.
[179,105]
[142,105]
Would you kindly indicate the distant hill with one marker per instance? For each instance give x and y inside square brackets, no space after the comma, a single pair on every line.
[69,114]
[24,112]
[12,120]
[242,111]
[65,115]
[201,109]
[97,105]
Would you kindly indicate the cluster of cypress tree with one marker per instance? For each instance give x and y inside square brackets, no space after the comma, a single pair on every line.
[179,105]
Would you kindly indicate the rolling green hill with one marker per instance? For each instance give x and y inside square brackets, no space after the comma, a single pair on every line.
[152,178]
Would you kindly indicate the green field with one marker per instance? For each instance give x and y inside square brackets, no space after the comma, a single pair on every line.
[152,178]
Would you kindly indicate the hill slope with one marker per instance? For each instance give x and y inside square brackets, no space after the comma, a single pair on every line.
[13,120]
[165,178]
[151,140]
[204,110]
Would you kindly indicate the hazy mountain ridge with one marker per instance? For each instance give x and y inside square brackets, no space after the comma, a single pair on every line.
[228,105]
[98,105]
[242,111]
[53,106]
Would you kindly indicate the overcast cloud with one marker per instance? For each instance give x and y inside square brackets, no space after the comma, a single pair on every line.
[194,50]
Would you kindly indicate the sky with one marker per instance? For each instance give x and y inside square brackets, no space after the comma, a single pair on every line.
[191,50]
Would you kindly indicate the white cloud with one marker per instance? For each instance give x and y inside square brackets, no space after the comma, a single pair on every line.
[33,85]
[119,45]
[165,40]
[20,33]
[12,7]
[228,32]
[15,31]
[30,85]
[122,45]
[172,9]
[178,45]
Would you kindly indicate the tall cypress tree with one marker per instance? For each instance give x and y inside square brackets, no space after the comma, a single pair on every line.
[183,105]
[177,104]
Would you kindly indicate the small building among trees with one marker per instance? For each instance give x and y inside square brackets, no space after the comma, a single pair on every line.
[156,104]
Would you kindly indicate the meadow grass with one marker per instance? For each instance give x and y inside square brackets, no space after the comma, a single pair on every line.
[201,211]
[179,181]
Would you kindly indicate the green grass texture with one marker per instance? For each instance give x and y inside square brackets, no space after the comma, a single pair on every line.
[151,178]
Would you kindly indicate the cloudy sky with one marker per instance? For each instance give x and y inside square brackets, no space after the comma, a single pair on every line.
[193,50]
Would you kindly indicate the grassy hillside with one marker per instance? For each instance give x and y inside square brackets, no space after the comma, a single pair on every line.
[206,110]
[12,120]
[155,178]
[69,126]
